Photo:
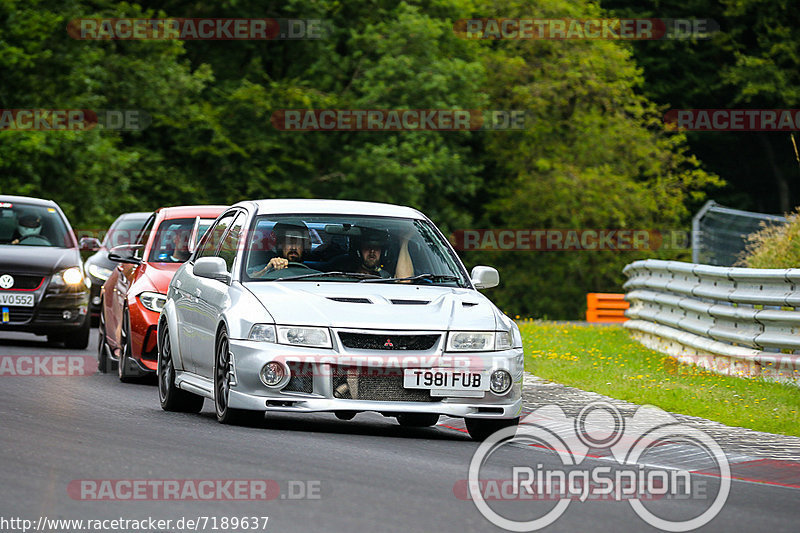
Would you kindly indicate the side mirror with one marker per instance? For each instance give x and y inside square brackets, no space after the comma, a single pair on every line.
[484,277]
[89,244]
[125,253]
[212,268]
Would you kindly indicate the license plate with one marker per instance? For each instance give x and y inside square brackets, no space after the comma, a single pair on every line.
[18,300]
[441,380]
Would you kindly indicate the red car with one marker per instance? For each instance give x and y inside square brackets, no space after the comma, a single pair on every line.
[135,292]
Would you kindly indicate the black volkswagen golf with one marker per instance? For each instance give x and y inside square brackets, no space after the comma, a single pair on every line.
[42,286]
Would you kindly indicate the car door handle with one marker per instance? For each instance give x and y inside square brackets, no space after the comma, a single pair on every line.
[198,292]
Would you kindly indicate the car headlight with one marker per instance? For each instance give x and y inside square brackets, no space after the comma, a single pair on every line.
[70,277]
[304,336]
[262,332]
[479,341]
[470,341]
[100,272]
[503,340]
[154,301]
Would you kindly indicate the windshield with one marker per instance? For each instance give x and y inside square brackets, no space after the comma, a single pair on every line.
[350,249]
[32,225]
[124,231]
[171,241]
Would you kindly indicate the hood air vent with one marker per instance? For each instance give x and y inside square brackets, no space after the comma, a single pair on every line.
[349,300]
[410,302]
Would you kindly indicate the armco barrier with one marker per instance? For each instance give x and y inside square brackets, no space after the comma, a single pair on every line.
[604,307]
[738,321]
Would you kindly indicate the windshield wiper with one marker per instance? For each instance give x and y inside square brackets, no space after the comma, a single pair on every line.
[432,277]
[357,275]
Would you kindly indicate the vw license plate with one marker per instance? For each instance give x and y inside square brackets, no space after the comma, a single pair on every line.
[14,299]
[442,382]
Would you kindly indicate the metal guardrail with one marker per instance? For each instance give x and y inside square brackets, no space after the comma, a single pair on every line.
[738,321]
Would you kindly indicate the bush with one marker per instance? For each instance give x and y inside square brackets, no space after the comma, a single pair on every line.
[774,246]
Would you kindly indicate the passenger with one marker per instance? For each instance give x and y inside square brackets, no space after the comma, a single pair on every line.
[371,248]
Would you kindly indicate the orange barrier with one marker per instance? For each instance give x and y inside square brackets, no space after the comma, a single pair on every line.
[605,307]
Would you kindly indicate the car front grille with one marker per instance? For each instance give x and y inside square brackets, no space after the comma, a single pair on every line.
[25,282]
[388,341]
[54,315]
[351,383]
[301,379]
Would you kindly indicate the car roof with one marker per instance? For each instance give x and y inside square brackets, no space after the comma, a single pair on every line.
[318,207]
[140,214]
[27,199]
[191,211]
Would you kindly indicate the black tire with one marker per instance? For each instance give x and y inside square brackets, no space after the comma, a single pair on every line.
[171,397]
[125,348]
[80,339]
[480,428]
[226,414]
[102,346]
[417,420]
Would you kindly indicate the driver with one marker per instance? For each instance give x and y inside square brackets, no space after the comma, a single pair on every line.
[180,246]
[27,226]
[292,241]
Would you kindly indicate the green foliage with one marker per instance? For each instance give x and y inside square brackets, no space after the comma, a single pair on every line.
[595,157]
[753,62]
[594,154]
[774,246]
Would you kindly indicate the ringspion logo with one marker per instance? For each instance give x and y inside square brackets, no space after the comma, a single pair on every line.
[633,473]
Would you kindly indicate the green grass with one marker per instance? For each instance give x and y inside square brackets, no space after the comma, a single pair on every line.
[606,360]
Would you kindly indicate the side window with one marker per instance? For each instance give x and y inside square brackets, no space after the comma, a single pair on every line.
[214,236]
[233,240]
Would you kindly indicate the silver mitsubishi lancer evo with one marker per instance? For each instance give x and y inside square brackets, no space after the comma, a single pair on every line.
[336,306]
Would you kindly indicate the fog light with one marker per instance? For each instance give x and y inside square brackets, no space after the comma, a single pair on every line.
[272,374]
[96,300]
[500,382]
[66,315]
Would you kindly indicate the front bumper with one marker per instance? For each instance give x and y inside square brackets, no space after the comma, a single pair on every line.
[47,316]
[315,389]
